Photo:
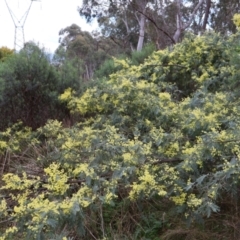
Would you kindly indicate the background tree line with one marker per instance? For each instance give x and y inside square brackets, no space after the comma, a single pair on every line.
[132,23]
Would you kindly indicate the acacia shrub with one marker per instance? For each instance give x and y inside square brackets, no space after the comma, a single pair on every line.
[193,63]
[109,66]
[137,144]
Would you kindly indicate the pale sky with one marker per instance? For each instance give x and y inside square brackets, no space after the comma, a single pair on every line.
[45,19]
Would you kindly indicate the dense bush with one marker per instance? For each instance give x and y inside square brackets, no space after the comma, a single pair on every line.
[5,53]
[31,86]
[109,66]
[155,137]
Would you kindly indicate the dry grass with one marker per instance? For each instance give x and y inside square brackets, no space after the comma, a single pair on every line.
[219,226]
[186,234]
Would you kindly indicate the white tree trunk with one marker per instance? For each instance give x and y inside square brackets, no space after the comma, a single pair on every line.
[180,26]
[142,7]
[177,33]
[141,32]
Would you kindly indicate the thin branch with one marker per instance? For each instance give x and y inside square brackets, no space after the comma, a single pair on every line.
[154,23]
[192,15]
[113,39]
[179,15]
[7,220]
[165,160]
[5,161]
[90,232]
[102,221]
[75,181]
[167,65]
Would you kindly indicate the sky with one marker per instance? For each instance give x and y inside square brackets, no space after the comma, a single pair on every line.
[43,23]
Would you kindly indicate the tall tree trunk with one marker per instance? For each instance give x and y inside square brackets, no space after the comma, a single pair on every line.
[141,32]
[125,21]
[207,12]
[87,73]
[179,30]
[180,26]
[141,5]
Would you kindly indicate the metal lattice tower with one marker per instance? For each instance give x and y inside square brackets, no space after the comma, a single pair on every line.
[19,38]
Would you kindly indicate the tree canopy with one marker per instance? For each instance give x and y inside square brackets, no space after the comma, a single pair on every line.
[132,23]
[5,52]
[87,50]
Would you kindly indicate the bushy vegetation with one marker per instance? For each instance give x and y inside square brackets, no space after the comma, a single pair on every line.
[110,66]
[154,154]
[30,86]
[5,53]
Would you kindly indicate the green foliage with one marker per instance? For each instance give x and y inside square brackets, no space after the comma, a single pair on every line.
[109,66]
[138,57]
[197,61]
[4,53]
[30,84]
[167,21]
[69,70]
[162,133]
[222,14]
[87,50]
[30,87]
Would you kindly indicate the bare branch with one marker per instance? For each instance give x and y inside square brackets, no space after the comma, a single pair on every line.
[192,15]
[160,29]
[165,160]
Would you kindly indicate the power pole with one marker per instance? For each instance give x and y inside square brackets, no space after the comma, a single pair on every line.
[19,38]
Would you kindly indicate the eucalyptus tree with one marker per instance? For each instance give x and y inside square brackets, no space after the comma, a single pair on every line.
[221,16]
[169,19]
[128,16]
[81,46]
[86,50]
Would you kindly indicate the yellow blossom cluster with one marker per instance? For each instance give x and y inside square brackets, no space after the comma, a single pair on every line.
[13,181]
[179,199]
[3,146]
[67,94]
[3,208]
[9,233]
[236,20]
[147,184]
[56,179]
[85,196]
[193,201]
